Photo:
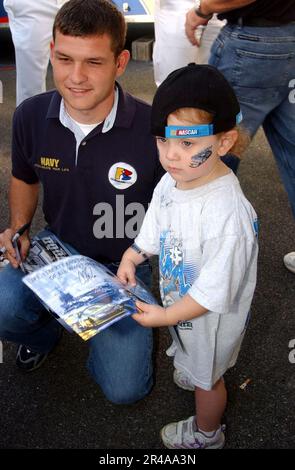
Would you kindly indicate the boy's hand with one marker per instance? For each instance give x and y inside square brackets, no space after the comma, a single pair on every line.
[151,315]
[126,272]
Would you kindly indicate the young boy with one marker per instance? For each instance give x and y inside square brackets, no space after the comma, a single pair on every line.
[204,230]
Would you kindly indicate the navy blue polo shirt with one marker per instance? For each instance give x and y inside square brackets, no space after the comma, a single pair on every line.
[94,197]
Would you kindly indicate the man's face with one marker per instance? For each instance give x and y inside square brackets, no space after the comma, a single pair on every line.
[85,70]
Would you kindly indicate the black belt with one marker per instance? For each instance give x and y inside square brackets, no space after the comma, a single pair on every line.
[258,22]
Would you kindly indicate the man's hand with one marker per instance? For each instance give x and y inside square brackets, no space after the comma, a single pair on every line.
[151,315]
[193,21]
[191,24]
[10,254]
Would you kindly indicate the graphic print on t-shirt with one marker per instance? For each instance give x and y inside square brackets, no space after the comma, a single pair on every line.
[176,273]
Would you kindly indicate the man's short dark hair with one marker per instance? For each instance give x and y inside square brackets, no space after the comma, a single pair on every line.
[83,18]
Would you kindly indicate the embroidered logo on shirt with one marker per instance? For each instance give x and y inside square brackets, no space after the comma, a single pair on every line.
[49,163]
[122,175]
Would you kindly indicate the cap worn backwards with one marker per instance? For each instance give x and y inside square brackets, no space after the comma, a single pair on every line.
[196,86]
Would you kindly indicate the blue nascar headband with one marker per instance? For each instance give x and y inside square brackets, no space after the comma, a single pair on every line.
[203,130]
[195,86]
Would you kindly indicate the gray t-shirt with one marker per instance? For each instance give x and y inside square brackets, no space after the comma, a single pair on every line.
[206,239]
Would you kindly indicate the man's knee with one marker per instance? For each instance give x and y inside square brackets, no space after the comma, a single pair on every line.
[121,387]
[124,394]
[120,362]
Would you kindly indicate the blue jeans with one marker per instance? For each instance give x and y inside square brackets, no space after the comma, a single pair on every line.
[120,357]
[259,62]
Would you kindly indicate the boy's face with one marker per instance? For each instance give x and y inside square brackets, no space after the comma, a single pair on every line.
[85,70]
[190,161]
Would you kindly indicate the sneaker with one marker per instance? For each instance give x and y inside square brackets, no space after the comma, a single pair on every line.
[28,360]
[182,381]
[185,435]
[289,261]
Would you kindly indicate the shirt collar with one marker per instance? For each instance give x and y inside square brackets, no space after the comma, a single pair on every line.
[121,114]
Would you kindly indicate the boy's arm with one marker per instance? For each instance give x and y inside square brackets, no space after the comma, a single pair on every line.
[156,316]
[131,258]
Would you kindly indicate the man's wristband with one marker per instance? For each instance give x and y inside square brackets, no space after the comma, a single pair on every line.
[199,13]
[139,251]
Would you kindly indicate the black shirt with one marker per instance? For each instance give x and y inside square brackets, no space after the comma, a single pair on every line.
[281,11]
[94,198]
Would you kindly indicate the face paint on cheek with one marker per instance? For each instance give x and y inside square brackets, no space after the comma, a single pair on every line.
[201,157]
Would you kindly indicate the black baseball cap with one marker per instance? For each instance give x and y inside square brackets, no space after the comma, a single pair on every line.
[196,86]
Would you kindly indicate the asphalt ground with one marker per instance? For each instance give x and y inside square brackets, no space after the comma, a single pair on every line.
[59,406]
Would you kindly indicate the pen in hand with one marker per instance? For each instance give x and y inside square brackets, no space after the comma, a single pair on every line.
[20,231]
[17,252]
[14,242]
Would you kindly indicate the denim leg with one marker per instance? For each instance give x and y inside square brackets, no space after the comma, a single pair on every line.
[120,358]
[23,319]
[259,63]
[279,128]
